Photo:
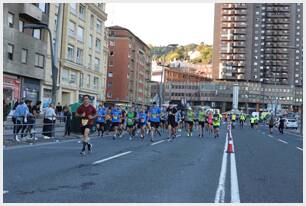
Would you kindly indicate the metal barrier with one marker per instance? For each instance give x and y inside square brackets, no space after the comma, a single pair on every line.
[33,127]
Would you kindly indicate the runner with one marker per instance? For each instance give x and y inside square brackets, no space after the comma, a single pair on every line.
[154,118]
[101,119]
[233,120]
[252,121]
[210,122]
[163,119]
[122,124]
[201,117]
[87,113]
[130,122]
[116,115]
[242,119]
[216,124]
[271,123]
[177,121]
[171,121]
[190,119]
[142,116]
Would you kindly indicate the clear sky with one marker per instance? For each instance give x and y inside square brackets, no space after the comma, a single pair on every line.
[165,23]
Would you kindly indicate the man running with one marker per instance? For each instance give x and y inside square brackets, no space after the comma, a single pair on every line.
[171,121]
[242,119]
[201,118]
[163,119]
[210,122]
[190,119]
[101,119]
[116,120]
[87,112]
[130,122]
[216,124]
[154,118]
[142,116]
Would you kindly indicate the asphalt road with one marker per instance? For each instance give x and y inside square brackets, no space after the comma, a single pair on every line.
[187,169]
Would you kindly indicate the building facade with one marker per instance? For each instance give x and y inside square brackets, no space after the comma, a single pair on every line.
[259,42]
[24,50]
[252,95]
[82,53]
[129,68]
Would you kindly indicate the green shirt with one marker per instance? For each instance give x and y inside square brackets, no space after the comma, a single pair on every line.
[201,116]
[130,118]
[190,116]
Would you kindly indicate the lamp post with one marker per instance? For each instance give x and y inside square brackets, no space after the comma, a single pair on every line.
[53,65]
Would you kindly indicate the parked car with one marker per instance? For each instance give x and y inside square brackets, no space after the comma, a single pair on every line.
[291,123]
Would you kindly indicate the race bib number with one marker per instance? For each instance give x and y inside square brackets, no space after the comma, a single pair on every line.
[154,115]
[130,121]
[84,122]
[142,120]
[115,117]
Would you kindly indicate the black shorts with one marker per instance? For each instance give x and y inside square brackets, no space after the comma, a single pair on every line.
[101,124]
[130,126]
[163,121]
[122,121]
[115,124]
[84,127]
[270,126]
[201,123]
[155,124]
[256,123]
[190,123]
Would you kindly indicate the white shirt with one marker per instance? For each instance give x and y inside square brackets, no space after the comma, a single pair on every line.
[50,113]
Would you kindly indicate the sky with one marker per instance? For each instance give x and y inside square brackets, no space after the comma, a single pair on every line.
[161,24]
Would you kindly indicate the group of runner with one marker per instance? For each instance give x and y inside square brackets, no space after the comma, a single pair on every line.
[144,121]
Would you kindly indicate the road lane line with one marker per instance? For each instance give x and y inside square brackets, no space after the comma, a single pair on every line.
[282,141]
[270,135]
[235,197]
[109,158]
[299,148]
[220,193]
[157,142]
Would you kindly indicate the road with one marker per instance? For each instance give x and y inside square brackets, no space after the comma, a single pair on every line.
[264,168]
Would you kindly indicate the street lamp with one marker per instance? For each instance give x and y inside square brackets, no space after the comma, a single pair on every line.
[53,65]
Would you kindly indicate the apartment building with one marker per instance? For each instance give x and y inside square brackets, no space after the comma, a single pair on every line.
[82,53]
[129,68]
[24,50]
[259,42]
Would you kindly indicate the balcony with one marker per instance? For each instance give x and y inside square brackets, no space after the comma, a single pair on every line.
[239,31]
[240,25]
[240,38]
[240,71]
[240,76]
[240,18]
[239,51]
[33,14]
[240,12]
[239,44]
[227,25]
[278,14]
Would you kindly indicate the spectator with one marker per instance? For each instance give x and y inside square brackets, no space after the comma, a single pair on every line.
[281,125]
[49,121]
[20,116]
[6,109]
[58,111]
[67,120]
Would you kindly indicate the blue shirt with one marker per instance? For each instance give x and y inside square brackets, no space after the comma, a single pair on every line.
[21,110]
[116,113]
[101,114]
[155,114]
[142,116]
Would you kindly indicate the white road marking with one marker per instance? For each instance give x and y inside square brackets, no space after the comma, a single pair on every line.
[157,142]
[178,135]
[270,135]
[282,141]
[299,148]
[5,191]
[220,193]
[109,158]
[235,197]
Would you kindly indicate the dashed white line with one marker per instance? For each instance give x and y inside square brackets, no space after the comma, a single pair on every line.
[299,148]
[109,158]
[220,193]
[270,135]
[157,142]
[282,141]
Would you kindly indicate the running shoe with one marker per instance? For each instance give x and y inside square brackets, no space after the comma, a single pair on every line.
[82,153]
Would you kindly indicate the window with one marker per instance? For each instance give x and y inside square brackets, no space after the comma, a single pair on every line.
[82,11]
[88,80]
[39,60]
[71,28]
[10,20]
[79,59]
[73,8]
[98,45]
[36,33]
[96,82]
[21,23]
[80,35]
[24,56]
[65,75]
[99,26]
[42,7]
[89,61]
[90,41]
[92,21]
[97,64]
[70,54]
[109,84]
[81,80]
[110,74]
[10,51]
[73,77]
